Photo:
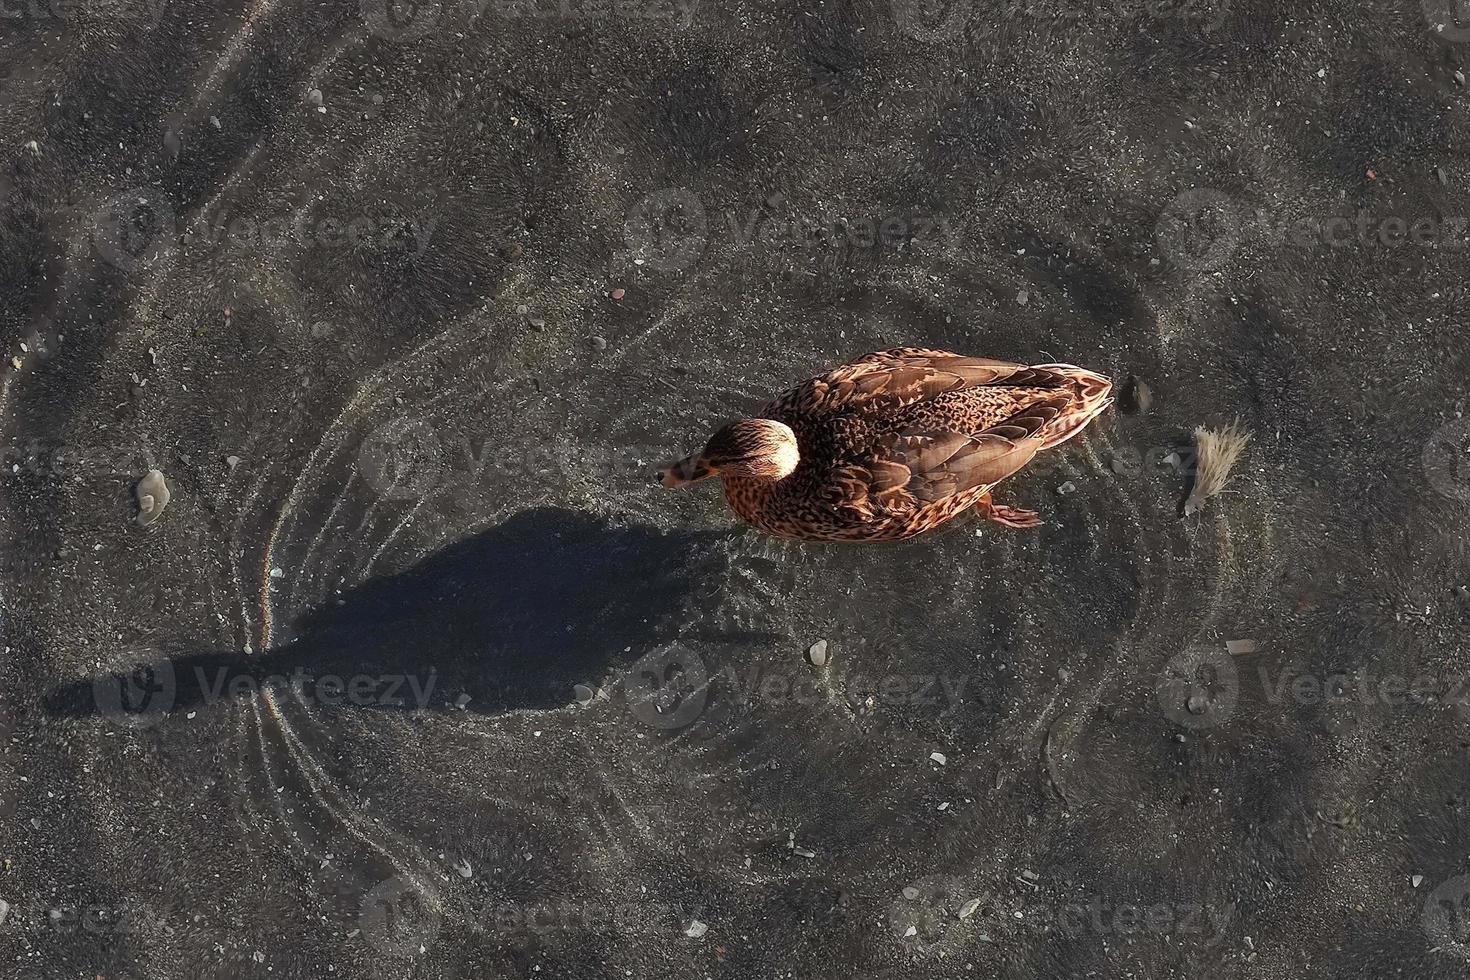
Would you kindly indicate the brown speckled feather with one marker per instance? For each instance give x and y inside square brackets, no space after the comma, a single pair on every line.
[899,441]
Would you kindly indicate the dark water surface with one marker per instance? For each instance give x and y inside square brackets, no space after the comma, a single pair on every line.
[419,675]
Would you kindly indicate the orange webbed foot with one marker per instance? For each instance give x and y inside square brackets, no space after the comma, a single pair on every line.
[1007,516]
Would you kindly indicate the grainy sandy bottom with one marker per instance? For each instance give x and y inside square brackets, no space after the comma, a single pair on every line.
[438,684]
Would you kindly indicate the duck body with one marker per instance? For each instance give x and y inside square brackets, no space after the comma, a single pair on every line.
[898,442]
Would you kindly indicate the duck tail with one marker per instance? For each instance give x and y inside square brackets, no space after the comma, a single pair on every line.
[1092,393]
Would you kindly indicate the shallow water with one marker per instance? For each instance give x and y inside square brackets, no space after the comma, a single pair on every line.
[434,681]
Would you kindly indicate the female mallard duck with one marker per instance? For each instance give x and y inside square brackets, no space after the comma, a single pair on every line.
[894,444]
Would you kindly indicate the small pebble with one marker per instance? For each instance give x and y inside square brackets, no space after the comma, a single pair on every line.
[583,693]
[277,573]
[537,323]
[1460,77]
[695,929]
[969,908]
[816,654]
[1066,488]
[153,496]
[599,343]
[232,462]
[1023,297]
[1138,397]
[618,293]
[938,757]
[910,932]
[1238,647]
[1197,704]
[314,96]
[1417,880]
[910,892]
[523,309]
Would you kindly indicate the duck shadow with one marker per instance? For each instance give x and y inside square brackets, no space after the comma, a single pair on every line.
[511,618]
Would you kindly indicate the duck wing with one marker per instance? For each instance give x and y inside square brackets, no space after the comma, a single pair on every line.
[893,379]
[912,468]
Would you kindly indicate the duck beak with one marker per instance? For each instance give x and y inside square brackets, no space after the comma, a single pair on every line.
[690,469]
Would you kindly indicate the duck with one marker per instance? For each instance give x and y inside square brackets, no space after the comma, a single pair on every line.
[894,444]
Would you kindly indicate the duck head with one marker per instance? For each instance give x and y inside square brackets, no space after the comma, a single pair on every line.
[757,449]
